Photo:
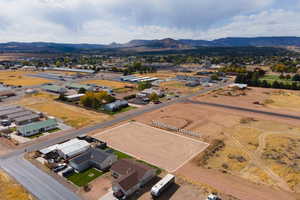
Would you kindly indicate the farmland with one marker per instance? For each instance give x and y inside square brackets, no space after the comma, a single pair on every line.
[71,115]
[17,78]
[9,190]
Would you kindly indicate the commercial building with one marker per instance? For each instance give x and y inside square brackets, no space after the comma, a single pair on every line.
[129,176]
[37,127]
[2,108]
[115,106]
[96,158]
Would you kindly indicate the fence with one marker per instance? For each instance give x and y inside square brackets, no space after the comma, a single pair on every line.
[173,128]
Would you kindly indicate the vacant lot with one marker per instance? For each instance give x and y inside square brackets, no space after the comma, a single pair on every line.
[243,139]
[155,146]
[17,78]
[71,115]
[10,190]
[178,87]
[289,100]
[107,83]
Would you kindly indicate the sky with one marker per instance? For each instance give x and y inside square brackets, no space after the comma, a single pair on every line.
[107,21]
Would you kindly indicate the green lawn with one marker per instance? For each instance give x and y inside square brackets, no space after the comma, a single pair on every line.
[83,178]
[272,78]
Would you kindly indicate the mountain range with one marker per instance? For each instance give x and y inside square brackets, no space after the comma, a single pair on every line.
[152,45]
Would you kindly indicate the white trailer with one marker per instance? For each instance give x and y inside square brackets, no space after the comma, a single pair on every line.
[162,185]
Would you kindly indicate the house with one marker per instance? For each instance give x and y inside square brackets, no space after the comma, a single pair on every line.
[55,89]
[93,158]
[129,175]
[37,127]
[115,106]
[72,148]
[149,91]
[22,120]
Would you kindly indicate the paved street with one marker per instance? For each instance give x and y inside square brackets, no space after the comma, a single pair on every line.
[34,180]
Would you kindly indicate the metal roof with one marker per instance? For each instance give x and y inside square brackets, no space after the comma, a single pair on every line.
[11,111]
[8,107]
[37,125]
[73,146]
[27,117]
[78,86]
[20,114]
[54,88]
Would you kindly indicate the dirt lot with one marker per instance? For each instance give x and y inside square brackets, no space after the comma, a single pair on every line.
[71,115]
[99,188]
[17,78]
[178,87]
[107,83]
[156,146]
[10,190]
[243,139]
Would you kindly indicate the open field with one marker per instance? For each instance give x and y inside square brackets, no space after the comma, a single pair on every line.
[165,74]
[17,78]
[71,115]
[107,83]
[270,78]
[10,190]
[179,87]
[242,137]
[155,146]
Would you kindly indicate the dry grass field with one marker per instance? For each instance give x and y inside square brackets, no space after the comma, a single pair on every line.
[10,190]
[17,78]
[243,136]
[107,83]
[284,100]
[179,87]
[71,115]
[153,145]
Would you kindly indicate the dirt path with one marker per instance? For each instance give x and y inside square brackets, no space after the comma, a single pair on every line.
[233,185]
[255,159]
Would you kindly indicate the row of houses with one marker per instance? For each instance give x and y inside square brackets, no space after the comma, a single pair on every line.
[26,121]
[128,175]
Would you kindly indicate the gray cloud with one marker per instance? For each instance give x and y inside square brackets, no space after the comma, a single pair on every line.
[104,21]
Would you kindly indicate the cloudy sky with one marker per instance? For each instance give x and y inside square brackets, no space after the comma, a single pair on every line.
[106,21]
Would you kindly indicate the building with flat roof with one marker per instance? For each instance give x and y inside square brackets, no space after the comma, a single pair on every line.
[2,108]
[96,158]
[19,114]
[77,86]
[37,127]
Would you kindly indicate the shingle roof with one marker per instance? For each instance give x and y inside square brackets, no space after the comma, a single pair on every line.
[132,172]
[91,155]
[37,125]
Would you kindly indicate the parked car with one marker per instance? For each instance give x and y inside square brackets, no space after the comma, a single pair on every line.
[59,168]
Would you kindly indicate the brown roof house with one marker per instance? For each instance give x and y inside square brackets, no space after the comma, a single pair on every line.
[129,176]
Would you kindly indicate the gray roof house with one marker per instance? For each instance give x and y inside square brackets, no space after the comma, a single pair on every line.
[5,113]
[93,158]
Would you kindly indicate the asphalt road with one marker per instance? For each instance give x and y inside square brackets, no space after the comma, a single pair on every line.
[34,180]
[43,186]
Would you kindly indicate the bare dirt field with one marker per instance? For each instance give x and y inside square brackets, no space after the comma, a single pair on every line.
[10,190]
[17,78]
[274,100]
[238,144]
[156,146]
[99,187]
[71,115]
